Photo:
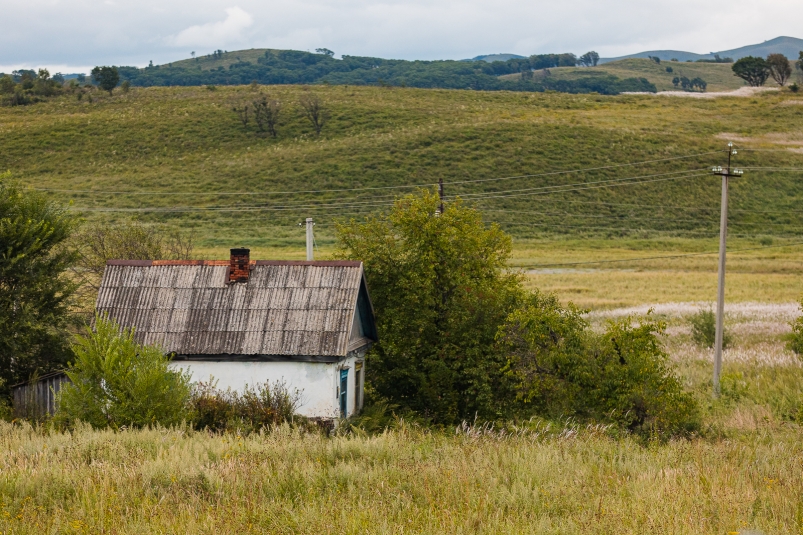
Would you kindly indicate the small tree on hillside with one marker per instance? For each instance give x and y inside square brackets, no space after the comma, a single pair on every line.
[780,68]
[266,114]
[107,78]
[314,110]
[36,292]
[753,70]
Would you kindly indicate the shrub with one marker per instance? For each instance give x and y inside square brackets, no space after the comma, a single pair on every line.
[563,369]
[795,338]
[262,405]
[117,382]
[704,329]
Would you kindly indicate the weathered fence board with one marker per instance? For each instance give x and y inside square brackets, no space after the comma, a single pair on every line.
[36,399]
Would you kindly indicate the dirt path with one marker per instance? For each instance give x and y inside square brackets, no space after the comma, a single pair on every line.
[746,91]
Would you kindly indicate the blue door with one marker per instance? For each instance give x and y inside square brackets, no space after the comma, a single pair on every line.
[344,386]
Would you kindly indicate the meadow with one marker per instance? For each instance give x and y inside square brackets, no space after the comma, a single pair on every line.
[536,164]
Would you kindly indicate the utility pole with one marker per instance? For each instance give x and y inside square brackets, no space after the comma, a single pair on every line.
[440,195]
[723,235]
[310,238]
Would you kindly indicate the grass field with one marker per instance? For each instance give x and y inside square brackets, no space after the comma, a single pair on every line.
[718,76]
[743,473]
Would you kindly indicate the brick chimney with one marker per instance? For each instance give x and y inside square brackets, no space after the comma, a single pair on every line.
[239,265]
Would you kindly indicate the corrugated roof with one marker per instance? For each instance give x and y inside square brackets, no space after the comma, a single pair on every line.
[190,308]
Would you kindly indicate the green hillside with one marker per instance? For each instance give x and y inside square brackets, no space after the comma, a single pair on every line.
[719,76]
[180,156]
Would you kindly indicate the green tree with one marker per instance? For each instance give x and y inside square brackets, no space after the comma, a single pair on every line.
[780,68]
[622,376]
[795,338]
[704,329]
[589,59]
[441,289]
[117,382]
[107,78]
[35,290]
[753,70]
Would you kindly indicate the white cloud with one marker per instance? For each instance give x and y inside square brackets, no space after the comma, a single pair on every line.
[214,34]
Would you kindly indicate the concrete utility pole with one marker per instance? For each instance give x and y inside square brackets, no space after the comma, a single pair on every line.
[310,238]
[723,235]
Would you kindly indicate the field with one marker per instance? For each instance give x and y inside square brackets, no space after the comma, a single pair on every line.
[627,221]
[745,471]
[718,76]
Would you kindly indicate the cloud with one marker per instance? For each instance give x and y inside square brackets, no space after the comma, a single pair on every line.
[215,33]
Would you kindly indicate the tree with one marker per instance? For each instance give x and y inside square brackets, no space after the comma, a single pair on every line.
[131,240]
[656,59]
[314,111]
[325,52]
[266,114]
[589,59]
[753,70]
[243,112]
[36,292]
[107,78]
[117,382]
[441,289]
[779,67]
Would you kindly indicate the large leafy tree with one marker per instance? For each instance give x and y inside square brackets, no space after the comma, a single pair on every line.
[35,291]
[107,78]
[753,70]
[441,291]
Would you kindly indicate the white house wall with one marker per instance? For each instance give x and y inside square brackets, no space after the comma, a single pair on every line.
[318,382]
[315,380]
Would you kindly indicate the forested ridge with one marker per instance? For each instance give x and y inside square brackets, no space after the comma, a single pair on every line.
[297,67]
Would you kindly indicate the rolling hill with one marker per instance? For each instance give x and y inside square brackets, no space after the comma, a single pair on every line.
[539,164]
[788,46]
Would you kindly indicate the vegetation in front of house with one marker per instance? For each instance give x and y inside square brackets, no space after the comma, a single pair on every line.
[116,382]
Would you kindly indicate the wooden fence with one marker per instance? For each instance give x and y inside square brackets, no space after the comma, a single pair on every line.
[36,399]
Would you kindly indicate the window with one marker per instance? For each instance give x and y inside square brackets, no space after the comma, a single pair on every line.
[344,388]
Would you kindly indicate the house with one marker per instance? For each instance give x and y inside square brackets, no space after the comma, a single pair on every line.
[308,324]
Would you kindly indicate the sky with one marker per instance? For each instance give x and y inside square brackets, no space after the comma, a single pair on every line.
[75,35]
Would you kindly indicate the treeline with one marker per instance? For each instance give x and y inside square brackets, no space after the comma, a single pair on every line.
[28,86]
[296,67]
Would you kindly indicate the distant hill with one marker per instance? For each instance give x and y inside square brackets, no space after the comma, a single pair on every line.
[490,58]
[788,46]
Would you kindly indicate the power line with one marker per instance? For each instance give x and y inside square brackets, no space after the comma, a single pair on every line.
[654,257]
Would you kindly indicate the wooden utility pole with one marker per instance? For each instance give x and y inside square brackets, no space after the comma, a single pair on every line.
[723,235]
[310,238]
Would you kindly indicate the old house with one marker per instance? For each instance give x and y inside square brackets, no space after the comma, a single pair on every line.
[308,324]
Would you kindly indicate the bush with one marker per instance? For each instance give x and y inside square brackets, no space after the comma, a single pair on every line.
[262,405]
[563,369]
[704,329]
[795,338]
[117,382]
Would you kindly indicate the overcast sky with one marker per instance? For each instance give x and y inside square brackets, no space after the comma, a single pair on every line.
[74,35]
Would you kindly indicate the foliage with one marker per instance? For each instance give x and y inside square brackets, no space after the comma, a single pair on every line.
[314,110]
[27,86]
[689,85]
[440,291]
[107,78]
[296,67]
[128,240]
[118,382]
[753,70]
[259,406]
[656,59]
[266,114]
[561,368]
[795,338]
[779,67]
[716,59]
[704,329]
[589,59]
[35,291]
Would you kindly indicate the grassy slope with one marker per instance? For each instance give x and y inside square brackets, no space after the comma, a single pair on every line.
[208,62]
[719,76]
[184,146]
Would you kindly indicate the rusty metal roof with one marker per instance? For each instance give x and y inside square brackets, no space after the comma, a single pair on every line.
[190,308]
